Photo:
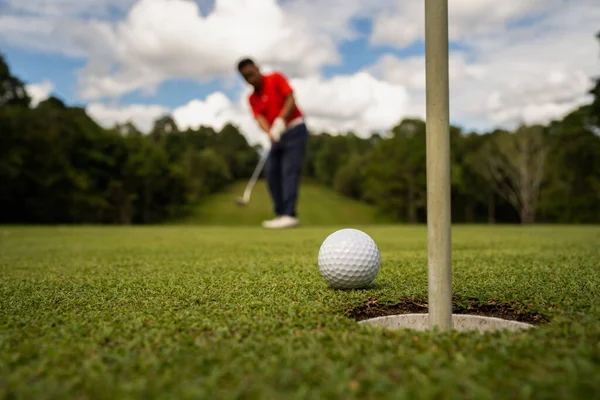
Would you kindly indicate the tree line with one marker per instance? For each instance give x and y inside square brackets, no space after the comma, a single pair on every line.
[57,165]
[532,174]
[535,173]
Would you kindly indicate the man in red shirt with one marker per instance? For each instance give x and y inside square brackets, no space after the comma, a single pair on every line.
[274,107]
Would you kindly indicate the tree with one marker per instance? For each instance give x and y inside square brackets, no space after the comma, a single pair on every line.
[571,194]
[515,167]
[395,175]
[233,147]
[349,178]
[332,154]
[12,89]
[207,171]
[163,126]
[313,147]
[470,177]
[595,106]
[127,129]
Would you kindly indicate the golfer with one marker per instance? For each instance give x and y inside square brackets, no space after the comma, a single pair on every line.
[274,107]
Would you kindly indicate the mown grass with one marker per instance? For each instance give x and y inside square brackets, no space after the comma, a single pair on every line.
[229,313]
[317,205]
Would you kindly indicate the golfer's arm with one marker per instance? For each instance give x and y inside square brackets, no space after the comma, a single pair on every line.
[262,122]
[288,106]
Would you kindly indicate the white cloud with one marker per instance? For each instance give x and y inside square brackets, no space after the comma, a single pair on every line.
[39,91]
[164,39]
[532,73]
[28,32]
[404,23]
[358,102]
[55,26]
[170,39]
[141,115]
[401,28]
[333,17]
[217,110]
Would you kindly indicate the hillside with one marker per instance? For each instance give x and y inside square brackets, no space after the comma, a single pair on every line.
[318,205]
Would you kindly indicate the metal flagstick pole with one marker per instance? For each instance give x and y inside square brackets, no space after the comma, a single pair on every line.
[438,165]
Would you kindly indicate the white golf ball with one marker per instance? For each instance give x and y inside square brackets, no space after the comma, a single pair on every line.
[349,259]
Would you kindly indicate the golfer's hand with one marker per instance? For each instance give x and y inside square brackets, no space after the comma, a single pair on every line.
[277,129]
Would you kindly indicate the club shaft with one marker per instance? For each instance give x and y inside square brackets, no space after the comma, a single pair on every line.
[255,174]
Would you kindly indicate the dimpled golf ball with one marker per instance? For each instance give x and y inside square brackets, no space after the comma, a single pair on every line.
[348,259]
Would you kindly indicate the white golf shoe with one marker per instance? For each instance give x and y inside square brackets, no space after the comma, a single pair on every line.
[283,221]
[270,223]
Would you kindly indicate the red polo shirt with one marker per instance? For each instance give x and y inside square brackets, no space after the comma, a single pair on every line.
[269,100]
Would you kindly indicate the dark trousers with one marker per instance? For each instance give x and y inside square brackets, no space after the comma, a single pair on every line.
[283,169]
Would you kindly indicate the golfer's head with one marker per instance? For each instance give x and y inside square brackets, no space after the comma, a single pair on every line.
[250,72]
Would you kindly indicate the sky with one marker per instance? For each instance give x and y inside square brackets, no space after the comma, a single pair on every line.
[354,64]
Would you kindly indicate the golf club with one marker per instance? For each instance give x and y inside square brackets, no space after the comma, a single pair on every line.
[246,198]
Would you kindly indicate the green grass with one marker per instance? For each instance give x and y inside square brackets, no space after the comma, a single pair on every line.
[317,205]
[230,313]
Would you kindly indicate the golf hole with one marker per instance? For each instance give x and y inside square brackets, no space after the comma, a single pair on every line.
[420,322]
[467,315]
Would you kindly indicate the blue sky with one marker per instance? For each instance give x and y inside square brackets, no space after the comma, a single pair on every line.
[32,66]
[135,59]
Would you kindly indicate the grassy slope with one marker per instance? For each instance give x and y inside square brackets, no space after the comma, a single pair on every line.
[207,312]
[317,205]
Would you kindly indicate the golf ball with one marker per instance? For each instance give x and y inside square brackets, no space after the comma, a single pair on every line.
[348,259]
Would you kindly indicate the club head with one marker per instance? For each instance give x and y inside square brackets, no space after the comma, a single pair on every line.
[241,201]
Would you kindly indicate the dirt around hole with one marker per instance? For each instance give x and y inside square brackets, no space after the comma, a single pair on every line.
[489,308]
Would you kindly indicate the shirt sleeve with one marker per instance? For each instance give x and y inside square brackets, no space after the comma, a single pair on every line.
[283,86]
[254,106]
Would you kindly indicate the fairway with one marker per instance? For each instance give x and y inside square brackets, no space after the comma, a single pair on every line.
[317,205]
[224,313]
